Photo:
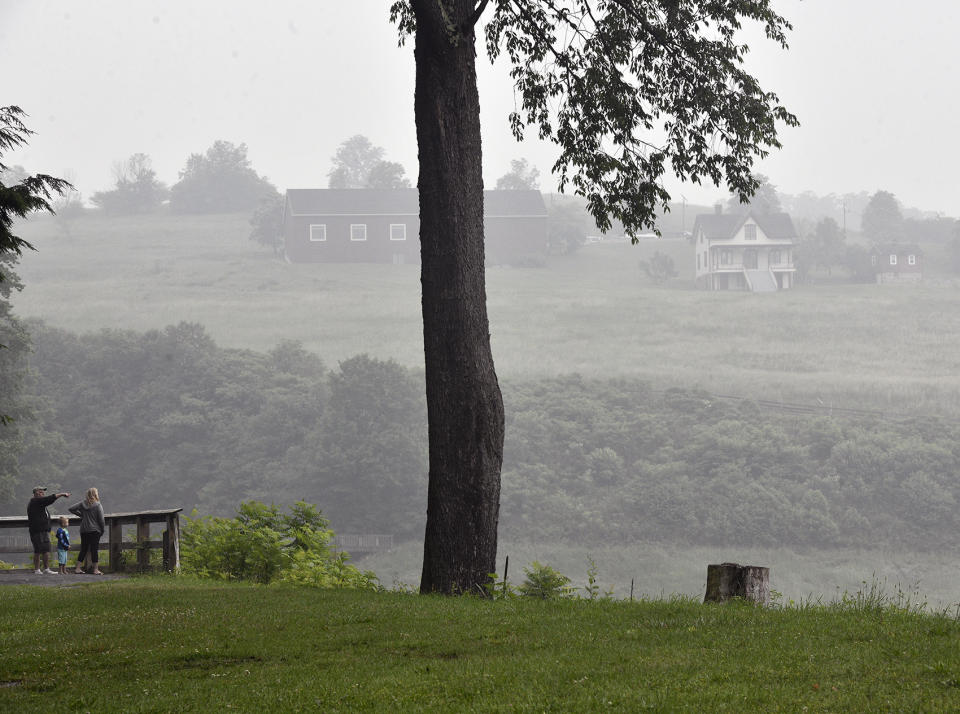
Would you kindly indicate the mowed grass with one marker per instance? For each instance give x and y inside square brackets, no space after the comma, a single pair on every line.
[181,645]
[895,348]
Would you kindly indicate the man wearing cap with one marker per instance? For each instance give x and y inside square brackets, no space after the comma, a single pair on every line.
[38,519]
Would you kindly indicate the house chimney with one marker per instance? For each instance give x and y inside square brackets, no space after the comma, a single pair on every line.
[718,208]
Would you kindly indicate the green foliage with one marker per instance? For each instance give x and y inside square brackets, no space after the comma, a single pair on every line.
[521,177]
[568,224]
[267,224]
[220,180]
[264,545]
[25,194]
[882,221]
[360,164]
[764,199]
[822,248]
[856,260]
[137,189]
[602,81]
[586,461]
[659,268]
[545,583]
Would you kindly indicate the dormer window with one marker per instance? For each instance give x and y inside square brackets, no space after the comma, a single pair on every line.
[750,232]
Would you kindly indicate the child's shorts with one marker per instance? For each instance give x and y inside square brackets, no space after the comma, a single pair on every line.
[61,556]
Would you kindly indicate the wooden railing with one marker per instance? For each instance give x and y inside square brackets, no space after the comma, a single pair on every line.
[115,545]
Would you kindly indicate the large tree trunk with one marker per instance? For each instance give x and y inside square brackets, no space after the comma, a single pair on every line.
[464,405]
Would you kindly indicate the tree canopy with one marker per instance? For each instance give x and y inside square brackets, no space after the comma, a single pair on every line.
[136,187]
[358,163]
[882,220]
[20,195]
[220,180]
[24,194]
[631,89]
[764,200]
[520,177]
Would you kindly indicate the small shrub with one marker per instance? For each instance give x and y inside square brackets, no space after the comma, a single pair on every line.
[545,583]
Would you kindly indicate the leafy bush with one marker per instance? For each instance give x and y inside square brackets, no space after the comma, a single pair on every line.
[264,545]
[545,583]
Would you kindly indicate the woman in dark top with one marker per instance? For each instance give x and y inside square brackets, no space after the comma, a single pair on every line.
[92,526]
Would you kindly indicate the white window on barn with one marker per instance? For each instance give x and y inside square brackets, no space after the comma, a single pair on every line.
[750,232]
[893,259]
[358,231]
[398,231]
[911,259]
[318,232]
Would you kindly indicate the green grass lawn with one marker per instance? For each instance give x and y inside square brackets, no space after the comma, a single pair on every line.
[180,645]
[593,312]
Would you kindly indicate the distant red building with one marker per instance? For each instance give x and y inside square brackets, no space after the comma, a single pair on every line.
[383,226]
[897,263]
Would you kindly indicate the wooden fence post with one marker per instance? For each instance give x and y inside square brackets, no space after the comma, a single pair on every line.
[730,580]
[143,539]
[171,550]
[116,540]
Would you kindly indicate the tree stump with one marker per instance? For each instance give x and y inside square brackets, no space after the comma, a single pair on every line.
[729,580]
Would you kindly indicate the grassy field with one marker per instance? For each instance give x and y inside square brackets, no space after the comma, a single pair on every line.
[893,348]
[155,645]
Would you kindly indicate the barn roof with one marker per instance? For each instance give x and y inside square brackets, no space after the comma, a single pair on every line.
[896,249]
[402,202]
[723,226]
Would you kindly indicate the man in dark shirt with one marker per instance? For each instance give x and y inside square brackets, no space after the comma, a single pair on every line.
[38,520]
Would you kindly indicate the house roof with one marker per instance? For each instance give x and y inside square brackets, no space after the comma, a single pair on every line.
[896,249]
[723,226]
[402,202]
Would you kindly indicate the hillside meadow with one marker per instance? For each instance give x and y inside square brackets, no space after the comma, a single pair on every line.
[163,644]
[593,312]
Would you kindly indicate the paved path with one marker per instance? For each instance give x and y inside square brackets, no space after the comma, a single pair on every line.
[21,576]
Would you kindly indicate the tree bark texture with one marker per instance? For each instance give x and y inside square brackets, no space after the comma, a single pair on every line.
[729,580]
[464,405]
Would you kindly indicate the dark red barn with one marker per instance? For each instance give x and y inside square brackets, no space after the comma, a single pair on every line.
[383,226]
[897,263]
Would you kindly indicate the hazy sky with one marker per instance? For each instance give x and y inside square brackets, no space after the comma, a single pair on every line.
[873,82]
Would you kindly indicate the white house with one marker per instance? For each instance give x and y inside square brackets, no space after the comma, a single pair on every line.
[751,251]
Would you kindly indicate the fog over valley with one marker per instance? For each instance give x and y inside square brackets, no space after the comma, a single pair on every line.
[244,296]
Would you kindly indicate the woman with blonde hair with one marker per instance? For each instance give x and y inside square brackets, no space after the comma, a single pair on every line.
[92,526]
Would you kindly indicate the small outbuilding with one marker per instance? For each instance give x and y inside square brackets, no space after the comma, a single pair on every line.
[897,263]
[322,225]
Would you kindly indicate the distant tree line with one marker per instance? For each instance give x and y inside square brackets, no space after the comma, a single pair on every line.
[168,418]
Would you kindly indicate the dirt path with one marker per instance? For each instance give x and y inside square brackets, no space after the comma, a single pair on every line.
[21,576]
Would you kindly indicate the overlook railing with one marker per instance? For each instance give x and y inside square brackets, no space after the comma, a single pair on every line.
[115,545]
